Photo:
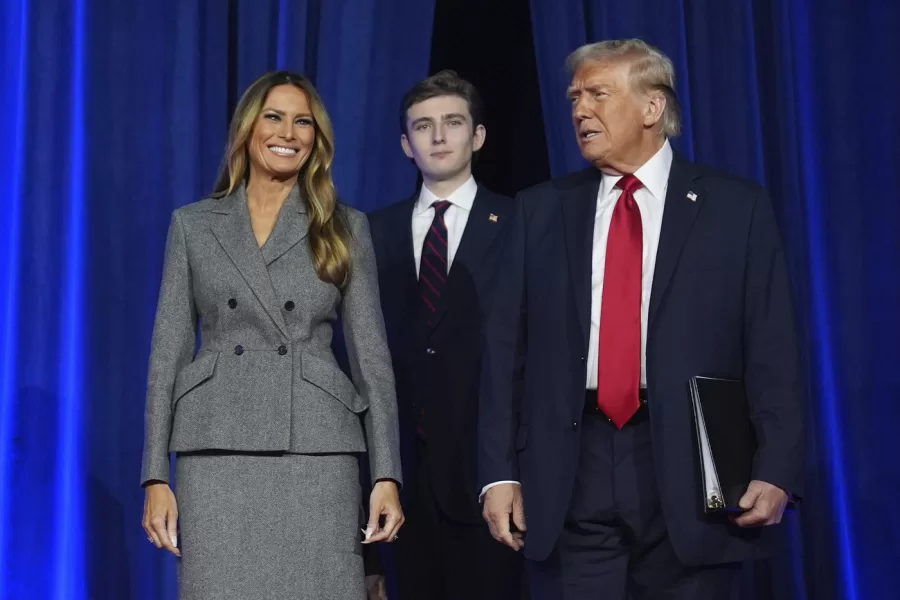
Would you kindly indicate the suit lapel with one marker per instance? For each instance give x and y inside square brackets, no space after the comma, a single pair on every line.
[404,255]
[401,261]
[290,229]
[480,232]
[579,206]
[481,229]
[234,232]
[683,202]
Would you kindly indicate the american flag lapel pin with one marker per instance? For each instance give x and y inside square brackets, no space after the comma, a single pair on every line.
[493,218]
[692,196]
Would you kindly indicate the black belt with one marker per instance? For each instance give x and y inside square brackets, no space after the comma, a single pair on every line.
[642,414]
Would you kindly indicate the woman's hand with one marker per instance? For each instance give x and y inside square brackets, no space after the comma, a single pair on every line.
[384,501]
[161,516]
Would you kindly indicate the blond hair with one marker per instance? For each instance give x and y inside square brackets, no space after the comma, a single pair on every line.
[651,70]
[329,235]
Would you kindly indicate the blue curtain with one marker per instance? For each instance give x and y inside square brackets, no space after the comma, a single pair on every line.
[112,114]
[800,96]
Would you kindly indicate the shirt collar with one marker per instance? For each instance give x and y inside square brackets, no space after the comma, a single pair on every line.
[463,197]
[654,174]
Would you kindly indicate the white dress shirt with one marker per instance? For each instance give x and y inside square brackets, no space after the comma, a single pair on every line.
[456,217]
[651,199]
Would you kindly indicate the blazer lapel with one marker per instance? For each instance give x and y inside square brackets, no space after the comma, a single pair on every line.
[683,202]
[235,234]
[579,205]
[403,259]
[480,232]
[481,229]
[406,257]
[290,229]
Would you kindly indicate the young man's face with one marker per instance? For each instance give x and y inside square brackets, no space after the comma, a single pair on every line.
[440,137]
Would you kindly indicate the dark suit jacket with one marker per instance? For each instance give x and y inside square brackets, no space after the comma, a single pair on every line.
[439,369]
[720,305]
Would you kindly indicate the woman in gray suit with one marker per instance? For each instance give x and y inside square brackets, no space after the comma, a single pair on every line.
[266,427]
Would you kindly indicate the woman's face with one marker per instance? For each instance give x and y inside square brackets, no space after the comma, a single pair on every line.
[283,135]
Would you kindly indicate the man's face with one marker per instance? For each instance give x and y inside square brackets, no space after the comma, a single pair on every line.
[608,115]
[440,137]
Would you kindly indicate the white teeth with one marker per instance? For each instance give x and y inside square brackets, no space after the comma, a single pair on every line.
[589,135]
[282,151]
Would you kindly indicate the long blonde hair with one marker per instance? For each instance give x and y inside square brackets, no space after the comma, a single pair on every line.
[329,235]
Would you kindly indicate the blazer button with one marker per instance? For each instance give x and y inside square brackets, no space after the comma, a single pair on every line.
[574,425]
[238,349]
[289,305]
[282,350]
[232,304]
[430,351]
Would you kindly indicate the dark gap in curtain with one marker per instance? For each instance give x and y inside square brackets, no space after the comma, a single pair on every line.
[311,57]
[491,44]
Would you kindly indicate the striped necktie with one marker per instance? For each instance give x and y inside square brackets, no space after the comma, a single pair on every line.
[434,266]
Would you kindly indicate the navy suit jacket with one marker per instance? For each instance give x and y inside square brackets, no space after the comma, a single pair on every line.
[720,305]
[438,369]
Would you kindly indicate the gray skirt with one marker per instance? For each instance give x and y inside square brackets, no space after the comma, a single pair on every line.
[269,526]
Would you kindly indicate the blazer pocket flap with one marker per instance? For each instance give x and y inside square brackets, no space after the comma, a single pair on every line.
[195,373]
[521,437]
[330,378]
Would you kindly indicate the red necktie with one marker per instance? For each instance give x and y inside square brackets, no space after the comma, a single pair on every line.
[619,365]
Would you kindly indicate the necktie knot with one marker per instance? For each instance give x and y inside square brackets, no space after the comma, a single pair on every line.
[440,207]
[629,184]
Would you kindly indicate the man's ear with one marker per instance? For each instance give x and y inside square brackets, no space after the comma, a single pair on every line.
[404,143]
[479,138]
[654,108]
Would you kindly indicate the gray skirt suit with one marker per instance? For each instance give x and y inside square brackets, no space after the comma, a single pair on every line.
[265,427]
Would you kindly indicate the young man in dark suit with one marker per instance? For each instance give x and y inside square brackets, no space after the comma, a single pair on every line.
[437,255]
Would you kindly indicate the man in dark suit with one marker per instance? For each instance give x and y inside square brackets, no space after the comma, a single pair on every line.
[437,255]
[619,284]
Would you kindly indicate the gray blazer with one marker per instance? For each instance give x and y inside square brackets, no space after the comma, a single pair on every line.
[264,378]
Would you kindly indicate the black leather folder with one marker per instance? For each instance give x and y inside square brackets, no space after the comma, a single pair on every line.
[726,441]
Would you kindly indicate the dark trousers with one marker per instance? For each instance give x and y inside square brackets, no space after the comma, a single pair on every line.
[439,559]
[614,544]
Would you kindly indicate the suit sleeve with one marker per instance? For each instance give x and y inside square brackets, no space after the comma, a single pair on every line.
[503,360]
[368,354]
[771,362]
[174,339]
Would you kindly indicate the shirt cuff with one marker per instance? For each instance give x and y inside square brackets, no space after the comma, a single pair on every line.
[490,485]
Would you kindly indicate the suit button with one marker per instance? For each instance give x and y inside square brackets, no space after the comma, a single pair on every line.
[232,304]
[238,349]
[289,305]
[574,425]
[282,350]
[430,351]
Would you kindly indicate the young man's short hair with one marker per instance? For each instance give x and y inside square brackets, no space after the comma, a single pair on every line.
[443,83]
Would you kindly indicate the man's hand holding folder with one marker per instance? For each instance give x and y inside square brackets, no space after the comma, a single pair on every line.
[764,504]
